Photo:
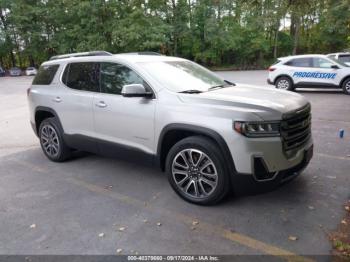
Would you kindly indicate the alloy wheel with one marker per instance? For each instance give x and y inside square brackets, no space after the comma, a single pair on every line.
[283,84]
[49,140]
[194,173]
[347,87]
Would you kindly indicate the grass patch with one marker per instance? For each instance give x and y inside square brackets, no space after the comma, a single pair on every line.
[341,238]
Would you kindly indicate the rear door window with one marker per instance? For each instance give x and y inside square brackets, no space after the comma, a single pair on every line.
[82,76]
[45,75]
[300,62]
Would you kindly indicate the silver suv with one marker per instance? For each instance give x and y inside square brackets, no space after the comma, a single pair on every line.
[209,135]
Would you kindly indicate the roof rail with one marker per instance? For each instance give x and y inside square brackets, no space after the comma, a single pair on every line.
[92,53]
[142,53]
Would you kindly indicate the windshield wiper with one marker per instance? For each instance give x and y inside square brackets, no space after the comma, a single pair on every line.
[191,91]
[217,87]
[228,83]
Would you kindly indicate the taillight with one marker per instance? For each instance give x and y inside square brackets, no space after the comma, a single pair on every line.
[28,91]
[271,69]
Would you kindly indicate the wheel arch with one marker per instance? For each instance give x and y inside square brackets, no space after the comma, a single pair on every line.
[173,133]
[343,80]
[42,113]
[283,75]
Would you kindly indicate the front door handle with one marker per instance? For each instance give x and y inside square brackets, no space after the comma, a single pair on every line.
[57,99]
[101,104]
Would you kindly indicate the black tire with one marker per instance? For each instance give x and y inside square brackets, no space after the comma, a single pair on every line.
[53,145]
[212,158]
[346,86]
[284,83]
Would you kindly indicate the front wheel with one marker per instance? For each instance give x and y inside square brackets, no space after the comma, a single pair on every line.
[196,171]
[284,83]
[346,86]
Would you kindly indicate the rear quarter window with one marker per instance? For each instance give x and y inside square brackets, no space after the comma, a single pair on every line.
[45,75]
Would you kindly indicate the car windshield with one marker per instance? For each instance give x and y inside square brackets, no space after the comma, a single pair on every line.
[30,68]
[344,59]
[182,76]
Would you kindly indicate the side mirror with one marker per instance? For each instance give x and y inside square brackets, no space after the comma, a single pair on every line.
[334,66]
[135,90]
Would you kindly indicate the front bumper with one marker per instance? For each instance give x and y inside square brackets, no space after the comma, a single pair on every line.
[248,184]
[245,150]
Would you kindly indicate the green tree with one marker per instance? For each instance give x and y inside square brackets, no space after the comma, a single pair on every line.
[245,33]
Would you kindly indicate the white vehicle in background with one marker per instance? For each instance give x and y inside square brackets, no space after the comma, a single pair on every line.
[343,57]
[31,71]
[292,72]
[15,71]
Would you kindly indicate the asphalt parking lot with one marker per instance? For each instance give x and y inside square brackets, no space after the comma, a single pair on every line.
[96,205]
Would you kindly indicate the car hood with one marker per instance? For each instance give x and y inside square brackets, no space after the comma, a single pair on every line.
[267,103]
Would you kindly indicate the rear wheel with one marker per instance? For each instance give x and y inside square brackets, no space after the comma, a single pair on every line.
[346,86]
[284,83]
[52,142]
[196,171]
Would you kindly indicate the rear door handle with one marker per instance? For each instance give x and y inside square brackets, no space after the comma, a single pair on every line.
[57,99]
[101,104]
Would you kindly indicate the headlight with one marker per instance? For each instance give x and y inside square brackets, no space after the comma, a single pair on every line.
[257,129]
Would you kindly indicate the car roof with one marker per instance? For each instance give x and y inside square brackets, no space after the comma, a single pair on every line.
[339,53]
[301,56]
[147,58]
[129,57]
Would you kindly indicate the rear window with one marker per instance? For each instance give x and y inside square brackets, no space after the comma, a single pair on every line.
[45,75]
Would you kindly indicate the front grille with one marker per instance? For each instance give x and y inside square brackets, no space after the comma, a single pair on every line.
[296,129]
